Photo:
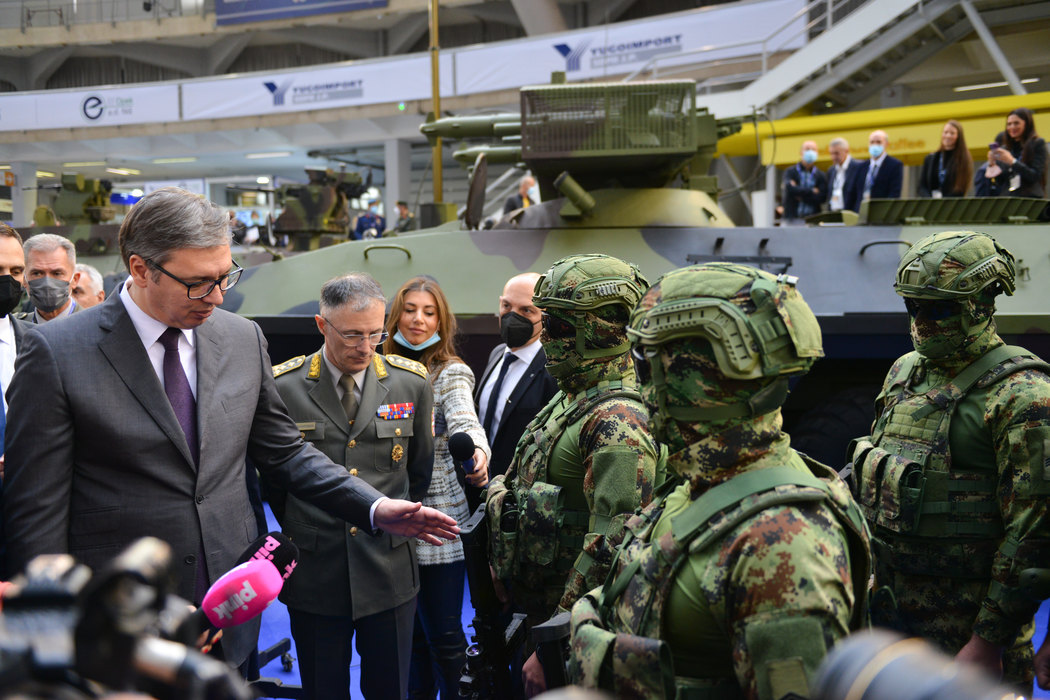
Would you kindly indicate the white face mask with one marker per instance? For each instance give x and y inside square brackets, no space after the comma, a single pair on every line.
[534,194]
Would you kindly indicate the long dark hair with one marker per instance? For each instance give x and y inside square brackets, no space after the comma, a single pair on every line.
[1027,143]
[440,353]
[959,160]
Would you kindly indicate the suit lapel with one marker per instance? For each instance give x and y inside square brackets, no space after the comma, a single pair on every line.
[323,394]
[123,349]
[209,345]
[372,394]
[494,358]
[533,370]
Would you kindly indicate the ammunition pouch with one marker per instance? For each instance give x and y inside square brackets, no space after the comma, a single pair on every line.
[540,523]
[889,487]
[502,510]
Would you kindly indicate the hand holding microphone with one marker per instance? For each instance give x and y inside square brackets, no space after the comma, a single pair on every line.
[472,459]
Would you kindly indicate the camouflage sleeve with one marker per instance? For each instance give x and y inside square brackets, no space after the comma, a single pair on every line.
[620,461]
[1018,412]
[781,586]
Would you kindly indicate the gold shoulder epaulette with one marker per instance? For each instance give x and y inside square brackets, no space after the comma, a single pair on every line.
[315,366]
[378,366]
[294,363]
[408,365]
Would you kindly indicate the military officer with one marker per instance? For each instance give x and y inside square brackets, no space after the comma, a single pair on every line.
[587,460]
[372,414]
[735,583]
[953,477]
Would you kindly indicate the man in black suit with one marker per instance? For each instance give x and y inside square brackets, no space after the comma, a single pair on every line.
[522,199]
[843,177]
[12,277]
[526,385]
[883,175]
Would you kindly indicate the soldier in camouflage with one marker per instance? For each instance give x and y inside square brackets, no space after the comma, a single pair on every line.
[735,582]
[953,478]
[587,460]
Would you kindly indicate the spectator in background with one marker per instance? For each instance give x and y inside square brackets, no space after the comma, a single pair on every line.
[1018,166]
[370,224]
[805,187]
[843,176]
[948,171]
[421,327]
[525,197]
[51,274]
[406,220]
[883,175]
[89,289]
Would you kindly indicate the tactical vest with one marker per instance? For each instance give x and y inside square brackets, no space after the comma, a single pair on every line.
[928,516]
[636,663]
[535,537]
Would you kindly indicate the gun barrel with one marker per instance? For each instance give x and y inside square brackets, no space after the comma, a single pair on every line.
[484,126]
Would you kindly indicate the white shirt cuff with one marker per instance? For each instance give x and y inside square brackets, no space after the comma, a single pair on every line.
[372,511]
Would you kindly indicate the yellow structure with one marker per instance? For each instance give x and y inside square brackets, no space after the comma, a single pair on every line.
[913,131]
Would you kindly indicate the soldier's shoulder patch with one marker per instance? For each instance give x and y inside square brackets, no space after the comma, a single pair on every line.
[407,365]
[294,363]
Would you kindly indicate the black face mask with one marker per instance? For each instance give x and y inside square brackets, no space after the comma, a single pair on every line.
[10,294]
[515,329]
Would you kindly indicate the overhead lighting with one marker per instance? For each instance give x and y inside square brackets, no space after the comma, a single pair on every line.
[85,164]
[5,167]
[262,180]
[44,173]
[988,86]
[123,171]
[166,161]
[136,192]
[271,154]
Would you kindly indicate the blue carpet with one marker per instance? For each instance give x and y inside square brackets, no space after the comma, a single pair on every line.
[275,627]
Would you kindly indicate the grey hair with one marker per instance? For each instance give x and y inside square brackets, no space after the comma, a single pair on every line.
[94,275]
[170,219]
[359,290]
[839,141]
[49,242]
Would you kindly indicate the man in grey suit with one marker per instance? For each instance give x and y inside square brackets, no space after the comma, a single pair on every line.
[111,442]
[373,415]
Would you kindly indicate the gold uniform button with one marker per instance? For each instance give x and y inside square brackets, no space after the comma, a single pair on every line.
[353,472]
[352,444]
[302,434]
[353,532]
[397,431]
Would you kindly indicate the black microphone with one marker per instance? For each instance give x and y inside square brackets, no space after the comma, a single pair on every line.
[461,447]
[276,548]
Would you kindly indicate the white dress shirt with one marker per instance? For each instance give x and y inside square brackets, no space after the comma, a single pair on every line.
[838,201]
[150,330]
[525,354]
[7,357]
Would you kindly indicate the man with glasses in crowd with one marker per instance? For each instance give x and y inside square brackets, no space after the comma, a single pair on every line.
[371,414]
[136,416]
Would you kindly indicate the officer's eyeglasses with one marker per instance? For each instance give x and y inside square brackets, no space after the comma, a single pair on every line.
[558,327]
[202,288]
[931,309]
[355,339]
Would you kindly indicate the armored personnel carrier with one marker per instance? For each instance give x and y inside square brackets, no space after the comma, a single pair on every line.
[623,170]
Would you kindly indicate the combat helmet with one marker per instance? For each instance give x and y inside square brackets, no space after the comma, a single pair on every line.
[955,265]
[586,294]
[759,328]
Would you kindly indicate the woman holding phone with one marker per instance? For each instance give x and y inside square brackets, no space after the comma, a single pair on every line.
[1017,159]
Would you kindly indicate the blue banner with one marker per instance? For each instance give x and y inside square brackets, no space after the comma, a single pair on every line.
[243,11]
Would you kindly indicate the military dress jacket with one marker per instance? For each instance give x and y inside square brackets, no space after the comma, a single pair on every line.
[343,570]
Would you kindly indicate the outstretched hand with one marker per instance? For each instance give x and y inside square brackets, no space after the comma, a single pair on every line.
[414,520]
[983,654]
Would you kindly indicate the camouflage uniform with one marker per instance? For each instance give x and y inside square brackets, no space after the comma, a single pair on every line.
[953,479]
[587,460]
[735,583]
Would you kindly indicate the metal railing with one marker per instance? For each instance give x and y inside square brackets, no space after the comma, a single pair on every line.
[34,14]
[819,16]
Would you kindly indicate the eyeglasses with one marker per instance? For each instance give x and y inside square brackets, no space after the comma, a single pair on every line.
[202,288]
[558,327]
[932,310]
[354,339]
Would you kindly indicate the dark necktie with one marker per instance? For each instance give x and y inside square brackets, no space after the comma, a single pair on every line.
[490,409]
[177,387]
[349,399]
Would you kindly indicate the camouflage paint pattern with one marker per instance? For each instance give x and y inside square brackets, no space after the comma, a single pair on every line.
[948,588]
